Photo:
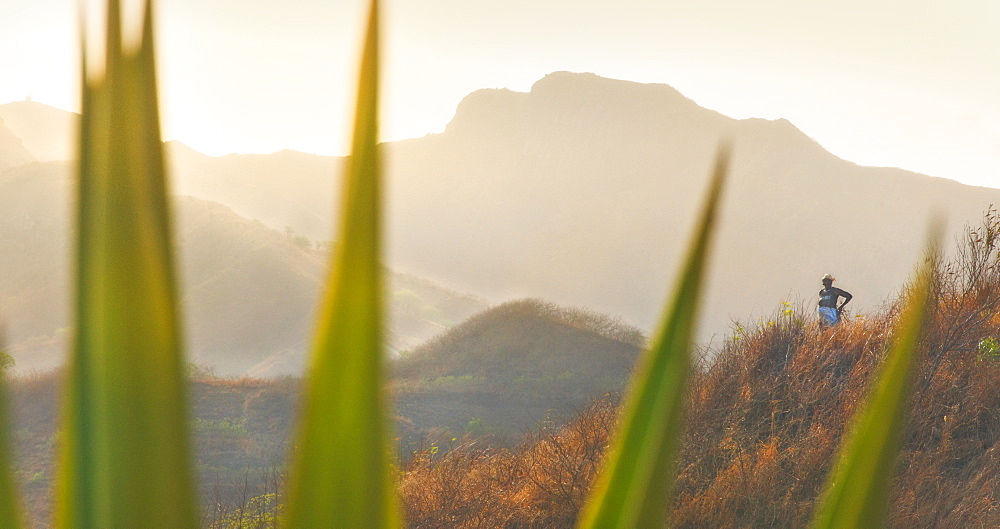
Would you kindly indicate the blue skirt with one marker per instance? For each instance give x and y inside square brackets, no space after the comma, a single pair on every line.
[828,316]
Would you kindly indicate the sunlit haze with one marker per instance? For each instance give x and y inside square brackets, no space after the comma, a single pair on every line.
[878,82]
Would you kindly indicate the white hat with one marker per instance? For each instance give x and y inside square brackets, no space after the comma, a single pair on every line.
[827,276]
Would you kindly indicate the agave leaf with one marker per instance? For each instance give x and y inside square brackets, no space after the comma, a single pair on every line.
[634,486]
[10,509]
[858,487]
[341,474]
[125,458]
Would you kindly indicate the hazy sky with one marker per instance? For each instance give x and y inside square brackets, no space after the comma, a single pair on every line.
[913,84]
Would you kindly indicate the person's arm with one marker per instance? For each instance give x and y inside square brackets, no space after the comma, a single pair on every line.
[847,298]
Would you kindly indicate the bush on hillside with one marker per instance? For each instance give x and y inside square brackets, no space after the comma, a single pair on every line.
[6,363]
[583,319]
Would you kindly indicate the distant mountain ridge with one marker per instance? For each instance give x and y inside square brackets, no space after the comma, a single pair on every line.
[287,188]
[248,291]
[583,191]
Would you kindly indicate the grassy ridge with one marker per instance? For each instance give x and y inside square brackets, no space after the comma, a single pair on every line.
[765,418]
[504,370]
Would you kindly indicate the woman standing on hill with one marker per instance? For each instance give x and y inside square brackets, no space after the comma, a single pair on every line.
[829,312]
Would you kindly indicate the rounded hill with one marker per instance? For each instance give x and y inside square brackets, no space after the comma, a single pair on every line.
[504,369]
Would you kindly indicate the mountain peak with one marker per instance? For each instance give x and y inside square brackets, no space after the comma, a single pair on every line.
[177,147]
[29,103]
[493,106]
[47,132]
[573,100]
[592,84]
[564,77]
[592,90]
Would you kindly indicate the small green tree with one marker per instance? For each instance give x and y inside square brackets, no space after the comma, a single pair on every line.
[6,363]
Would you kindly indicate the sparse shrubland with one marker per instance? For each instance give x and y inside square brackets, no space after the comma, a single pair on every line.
[240,426]
[766,411]
[766,414]
[760,437]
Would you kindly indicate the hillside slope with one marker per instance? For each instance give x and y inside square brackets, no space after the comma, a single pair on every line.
[248,291]
[765,416]
[524,361]
[504,370]
[287,188]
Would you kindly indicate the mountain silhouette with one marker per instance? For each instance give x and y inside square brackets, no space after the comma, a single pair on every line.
[287,188]
[584,190]
[248,291]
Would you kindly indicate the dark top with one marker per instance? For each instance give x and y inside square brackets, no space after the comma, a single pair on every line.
[828,297]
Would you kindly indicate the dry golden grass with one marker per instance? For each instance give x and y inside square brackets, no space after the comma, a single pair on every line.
[766,415]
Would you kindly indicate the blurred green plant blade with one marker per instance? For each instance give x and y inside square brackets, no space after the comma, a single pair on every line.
[10,509]
[857,490]
[125,459]
[341,474]
[634,486]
